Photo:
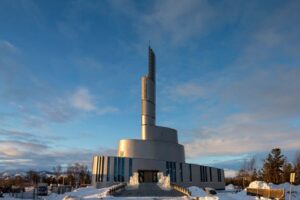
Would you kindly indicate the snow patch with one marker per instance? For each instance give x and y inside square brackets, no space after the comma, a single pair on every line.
[133,181]
[259,185]
[229,187]
[201,194]
[163,181]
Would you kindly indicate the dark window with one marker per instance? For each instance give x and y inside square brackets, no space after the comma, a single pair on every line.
[205,174]
[108,166]
[201,174]
[190,166]
[171,170]
[210,174]
[98,169]
[102,168]
[181,172]
[167,168]
[174,172]
[219,175]
[119,169]
[123,169]
[115,169]
[130,167]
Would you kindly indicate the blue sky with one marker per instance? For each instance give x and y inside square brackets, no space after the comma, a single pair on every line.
[227,78]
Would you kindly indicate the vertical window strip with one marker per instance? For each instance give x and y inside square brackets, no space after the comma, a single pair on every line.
[119,169]
[115,169]
[108,169]
[190,166]
[123,169]
[97,169]
[210,174]
[102,169]
[206,171]
[219,175]
[181,172]
[167,168]
[205,175]
[201,174]
[175,179]
[130,167]
[171,171]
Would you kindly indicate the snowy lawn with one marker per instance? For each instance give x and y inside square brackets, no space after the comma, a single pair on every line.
[90,193]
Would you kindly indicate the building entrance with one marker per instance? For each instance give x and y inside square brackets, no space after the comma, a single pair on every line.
[148,176]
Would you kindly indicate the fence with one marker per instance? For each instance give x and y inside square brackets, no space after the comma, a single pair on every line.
[61,189]
[181,189]
[25,195]
[269,193]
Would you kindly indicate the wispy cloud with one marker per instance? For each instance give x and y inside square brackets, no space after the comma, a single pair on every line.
[6,46]
[179,20]
[258,101]
[89,62]
[57,110]
[36,101]
[25,150]
[106,110]
[186,91]
[74,21]
[72,104]
[243,134]
[82,100]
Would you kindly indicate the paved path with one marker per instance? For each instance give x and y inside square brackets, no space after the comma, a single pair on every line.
[148,190]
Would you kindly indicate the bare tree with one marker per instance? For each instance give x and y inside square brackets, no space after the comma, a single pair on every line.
[57,170]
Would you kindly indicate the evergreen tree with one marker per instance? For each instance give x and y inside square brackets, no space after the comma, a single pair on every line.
[297,167]
[287,169]
[272,167]
[254,175]
[260,175]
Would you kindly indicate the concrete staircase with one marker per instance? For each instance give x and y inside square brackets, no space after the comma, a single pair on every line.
[148,190]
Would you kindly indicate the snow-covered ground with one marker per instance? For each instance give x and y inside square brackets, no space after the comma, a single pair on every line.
[90,193]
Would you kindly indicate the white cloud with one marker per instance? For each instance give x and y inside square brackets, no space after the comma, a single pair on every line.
[258,100]
[88,62]
[189,91]
[107,109]
[242,133]
[82,100]
[20,150]
[16,148]
[179,20]
[7,46]
[230,173]
[57,110]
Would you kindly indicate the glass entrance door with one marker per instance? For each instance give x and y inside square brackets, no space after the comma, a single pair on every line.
[148,176]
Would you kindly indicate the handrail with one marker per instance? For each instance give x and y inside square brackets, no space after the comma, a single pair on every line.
[113,189]
[183,190]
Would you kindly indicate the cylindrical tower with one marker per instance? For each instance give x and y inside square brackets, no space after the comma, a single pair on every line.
[148,95]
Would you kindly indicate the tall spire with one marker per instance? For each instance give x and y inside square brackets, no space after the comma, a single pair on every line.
[148,96]
[151,64]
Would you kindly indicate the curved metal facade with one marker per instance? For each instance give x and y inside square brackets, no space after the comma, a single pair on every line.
[151,149]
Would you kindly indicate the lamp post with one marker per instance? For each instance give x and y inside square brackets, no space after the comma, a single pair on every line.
[292,180]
